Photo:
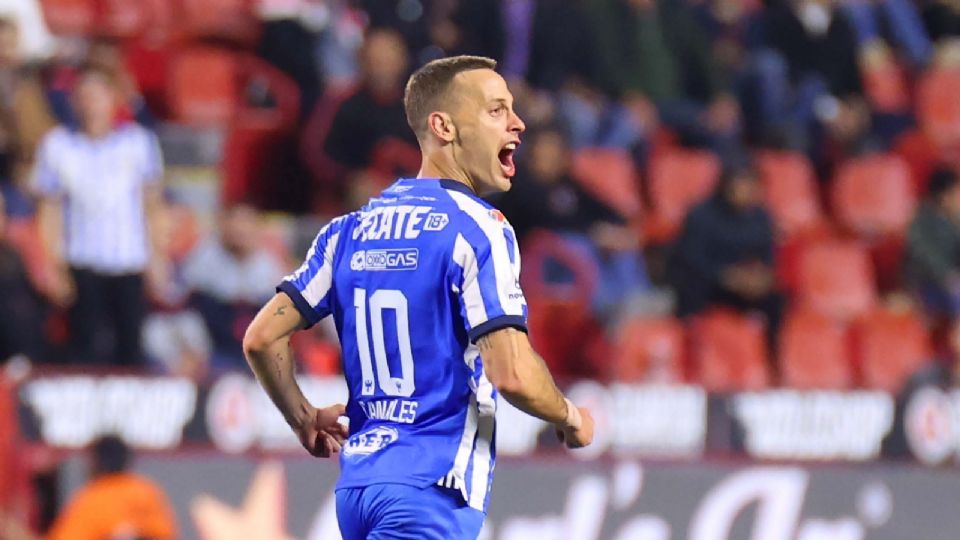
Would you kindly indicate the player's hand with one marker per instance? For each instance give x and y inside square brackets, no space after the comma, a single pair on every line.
[580,434]
[325,435]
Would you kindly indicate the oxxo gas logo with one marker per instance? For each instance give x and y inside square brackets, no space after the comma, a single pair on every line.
[385,259]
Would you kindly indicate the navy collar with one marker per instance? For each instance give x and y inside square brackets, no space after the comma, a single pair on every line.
[444,183]
[447,183]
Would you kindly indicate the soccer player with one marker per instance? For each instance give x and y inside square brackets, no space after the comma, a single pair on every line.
[423,284]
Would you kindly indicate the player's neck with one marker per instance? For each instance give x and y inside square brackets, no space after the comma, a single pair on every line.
[439,166]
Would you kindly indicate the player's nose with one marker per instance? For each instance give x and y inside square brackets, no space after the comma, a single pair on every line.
[516,124]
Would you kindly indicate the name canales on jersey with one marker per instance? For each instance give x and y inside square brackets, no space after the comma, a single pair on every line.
[401,222]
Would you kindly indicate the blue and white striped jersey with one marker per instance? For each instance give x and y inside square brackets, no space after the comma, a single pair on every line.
[412,279]
[101,184]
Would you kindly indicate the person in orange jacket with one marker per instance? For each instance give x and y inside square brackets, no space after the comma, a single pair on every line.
[116,504]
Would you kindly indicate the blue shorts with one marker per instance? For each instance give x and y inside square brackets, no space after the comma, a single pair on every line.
[396,511]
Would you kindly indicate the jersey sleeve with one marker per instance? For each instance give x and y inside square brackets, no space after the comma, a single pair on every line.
[310,285]
[488,279]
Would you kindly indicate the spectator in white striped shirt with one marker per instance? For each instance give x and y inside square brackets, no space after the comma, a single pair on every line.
[100,191]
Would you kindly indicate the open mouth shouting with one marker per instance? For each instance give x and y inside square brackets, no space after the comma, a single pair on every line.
[506,159]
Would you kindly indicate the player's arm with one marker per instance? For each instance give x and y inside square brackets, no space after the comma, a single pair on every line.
[266,345]
[522,378]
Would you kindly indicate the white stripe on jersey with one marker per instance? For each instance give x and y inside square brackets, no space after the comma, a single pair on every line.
[318,287]
[306,262]
[516,256]
[462,459]
[464,256]
[313,249]
[450,481]
[503,270]
[479,482]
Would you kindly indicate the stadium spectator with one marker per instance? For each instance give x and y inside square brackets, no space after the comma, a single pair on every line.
[546,52]
[105,53]
[22,311]
[99,188]
[435,28]
[229,277]
[287,41]
[175,337]
[339,41]
[367,136]
[805,74]
[545,196]
[116,502]
[24,116]
[932,262]
[941,18]
[36,41]
[724,256]
[656,56]
[541,42]
[897,21]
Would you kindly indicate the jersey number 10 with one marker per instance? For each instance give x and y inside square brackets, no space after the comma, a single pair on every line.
[380,300]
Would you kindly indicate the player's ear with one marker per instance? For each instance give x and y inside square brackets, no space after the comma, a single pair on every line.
[441,125]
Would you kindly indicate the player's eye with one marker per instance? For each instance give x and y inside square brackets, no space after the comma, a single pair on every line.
[498,110]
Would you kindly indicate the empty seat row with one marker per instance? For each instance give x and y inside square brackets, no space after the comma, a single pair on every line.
[872,196]
[726,352]
[175,19]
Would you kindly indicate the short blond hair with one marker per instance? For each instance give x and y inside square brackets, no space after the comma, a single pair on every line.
[428,86]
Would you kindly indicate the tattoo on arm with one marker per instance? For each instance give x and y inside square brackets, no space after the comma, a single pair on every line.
[280,311]
[279,365]
[484,343]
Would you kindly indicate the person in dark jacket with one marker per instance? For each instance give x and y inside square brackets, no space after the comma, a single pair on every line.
[932,262]
[354,142]
[656,57]
[724,256]
[22,309]
[546,196]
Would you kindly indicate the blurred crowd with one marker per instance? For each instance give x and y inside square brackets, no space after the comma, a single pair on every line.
[707,190]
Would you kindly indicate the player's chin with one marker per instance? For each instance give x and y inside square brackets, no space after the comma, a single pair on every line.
[504,178]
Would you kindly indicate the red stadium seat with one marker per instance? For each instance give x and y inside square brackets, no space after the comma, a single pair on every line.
[203,86]
[874,195]
[813,352]
[679,179]
[891,347]
[789,252]
[729,352]
[149,61]
[938,107]
[562,331]
[609,175]
[125,18]
[262,143]
[836,278]
[559,314]
[71,17]
[231,19]
[790,190]
[921,156]
[649,350]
